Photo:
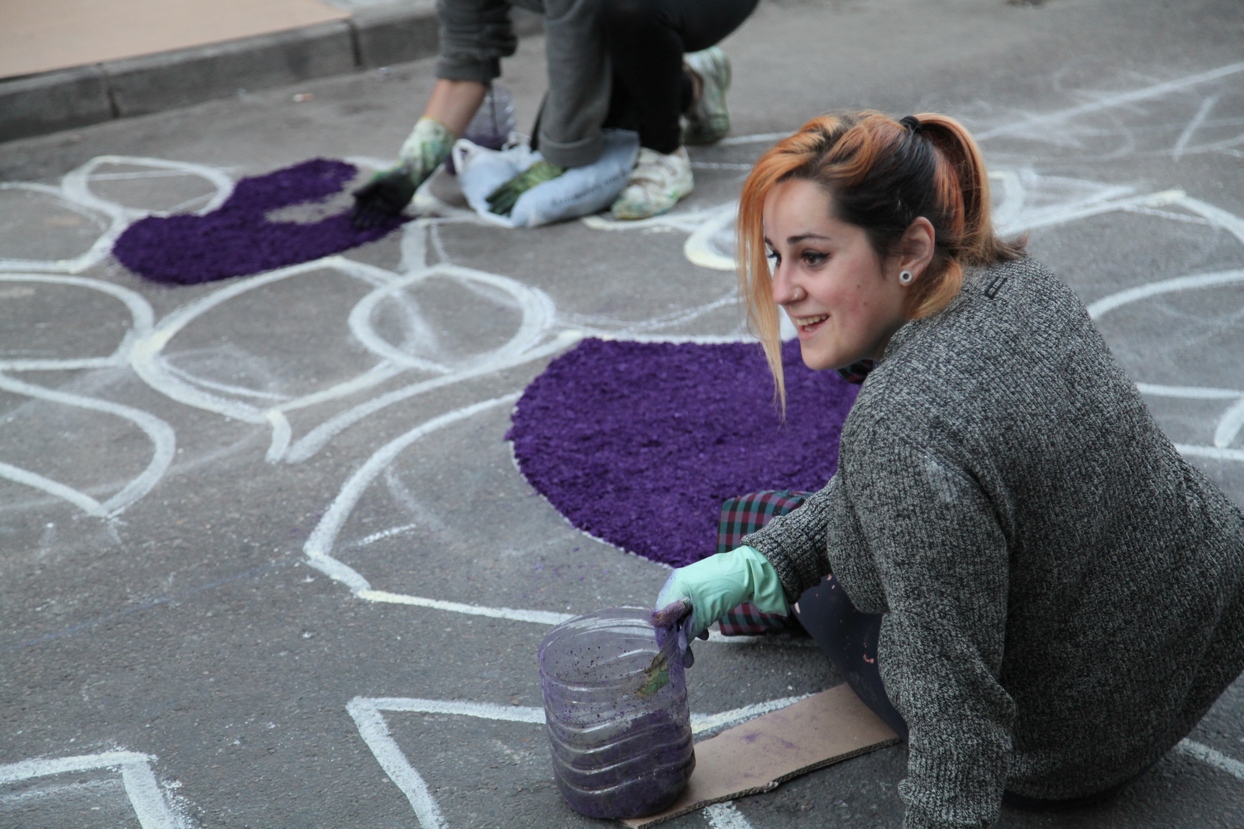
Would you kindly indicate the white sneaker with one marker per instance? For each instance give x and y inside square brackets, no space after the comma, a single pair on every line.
[657,183]
[709,118]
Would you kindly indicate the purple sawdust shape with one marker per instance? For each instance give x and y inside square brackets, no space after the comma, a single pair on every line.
[639,443]
[239,239]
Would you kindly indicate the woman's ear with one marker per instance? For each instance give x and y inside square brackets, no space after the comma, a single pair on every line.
[916,247]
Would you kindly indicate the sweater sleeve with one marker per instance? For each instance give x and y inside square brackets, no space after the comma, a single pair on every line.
[943,561]
[795,543]
[474,36]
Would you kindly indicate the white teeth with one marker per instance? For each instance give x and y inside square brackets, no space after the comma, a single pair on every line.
[806,321]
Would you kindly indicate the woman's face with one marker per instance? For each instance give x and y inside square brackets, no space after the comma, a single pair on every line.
[833,285]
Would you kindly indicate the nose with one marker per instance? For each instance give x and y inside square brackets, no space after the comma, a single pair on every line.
[783,288]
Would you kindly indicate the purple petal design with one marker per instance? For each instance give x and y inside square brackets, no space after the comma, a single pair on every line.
[638,444]
[238,239]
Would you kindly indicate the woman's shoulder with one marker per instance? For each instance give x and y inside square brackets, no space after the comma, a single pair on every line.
[998,305]
[1009,281]
[946,369]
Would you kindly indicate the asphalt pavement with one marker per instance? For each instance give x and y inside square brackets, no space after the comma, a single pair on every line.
[266,558]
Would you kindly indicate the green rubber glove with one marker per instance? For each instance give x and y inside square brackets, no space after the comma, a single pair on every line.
[389,191]
[718,583]
[502,200]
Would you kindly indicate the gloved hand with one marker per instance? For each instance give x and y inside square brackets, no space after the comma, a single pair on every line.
[502,200]
[384,196]
[716,584]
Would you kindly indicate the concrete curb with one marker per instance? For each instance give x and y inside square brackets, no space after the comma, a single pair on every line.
[369,39]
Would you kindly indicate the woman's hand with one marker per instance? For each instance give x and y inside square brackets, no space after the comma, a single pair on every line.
[718,583]
[502,200]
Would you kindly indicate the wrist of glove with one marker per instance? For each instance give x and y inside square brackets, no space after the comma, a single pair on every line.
[712,586]
[502,200]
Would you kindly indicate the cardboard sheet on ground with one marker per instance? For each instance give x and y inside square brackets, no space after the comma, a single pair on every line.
[756,756]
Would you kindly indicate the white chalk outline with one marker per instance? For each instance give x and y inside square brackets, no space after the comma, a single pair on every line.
[535,307]
[368,715]
[1231,421]
[159,432]
[75,192]
[372,727]
[162,436]
[142,319]
[147,360]
[1024,126]
[1212,757]
[141,787]
[699,249]
[318,548]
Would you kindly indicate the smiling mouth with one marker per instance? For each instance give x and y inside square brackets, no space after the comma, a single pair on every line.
[807,323]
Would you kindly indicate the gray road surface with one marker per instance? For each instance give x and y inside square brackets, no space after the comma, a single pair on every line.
[254,574]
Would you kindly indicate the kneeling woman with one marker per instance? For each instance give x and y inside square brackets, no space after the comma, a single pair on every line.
[1040,593]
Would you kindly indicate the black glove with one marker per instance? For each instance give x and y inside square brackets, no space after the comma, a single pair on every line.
[382,198]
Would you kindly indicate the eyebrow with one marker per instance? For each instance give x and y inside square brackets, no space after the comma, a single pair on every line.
[794,240]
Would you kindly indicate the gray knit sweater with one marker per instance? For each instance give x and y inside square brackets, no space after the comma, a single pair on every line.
[1063,594]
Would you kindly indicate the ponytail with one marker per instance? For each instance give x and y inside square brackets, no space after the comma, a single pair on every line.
[962,185]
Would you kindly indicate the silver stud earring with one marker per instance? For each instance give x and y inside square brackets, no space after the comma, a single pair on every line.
[905,277]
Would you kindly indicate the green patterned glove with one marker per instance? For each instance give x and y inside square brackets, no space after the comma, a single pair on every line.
[502,200]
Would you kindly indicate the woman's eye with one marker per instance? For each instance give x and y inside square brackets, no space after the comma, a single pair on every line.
[813,257]
[773,258]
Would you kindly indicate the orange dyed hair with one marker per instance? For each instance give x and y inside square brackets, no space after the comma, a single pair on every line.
[880,175]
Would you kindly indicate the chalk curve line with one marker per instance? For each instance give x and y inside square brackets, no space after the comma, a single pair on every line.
[142,319]
[318,437]
[147,360]
[534,305]
[161,435]
[111,218]
[1232,421]
[699,248]
[319,545]
[1110,302]
[1225,219]
[111,225]
[77,183]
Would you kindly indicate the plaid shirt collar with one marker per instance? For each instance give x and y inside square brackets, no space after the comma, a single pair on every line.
[857,372]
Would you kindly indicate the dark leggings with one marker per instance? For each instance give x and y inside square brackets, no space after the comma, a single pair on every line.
[647,40]
[849,637]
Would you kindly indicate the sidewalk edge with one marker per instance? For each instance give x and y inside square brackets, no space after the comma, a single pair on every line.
[49,102]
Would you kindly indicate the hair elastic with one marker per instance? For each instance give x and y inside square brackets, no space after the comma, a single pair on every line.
[912,123]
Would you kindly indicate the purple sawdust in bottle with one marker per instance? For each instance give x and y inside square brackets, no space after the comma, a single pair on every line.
[615,709]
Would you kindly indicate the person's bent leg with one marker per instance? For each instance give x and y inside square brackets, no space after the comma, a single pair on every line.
[849,639]
[646,53]
[647,42]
